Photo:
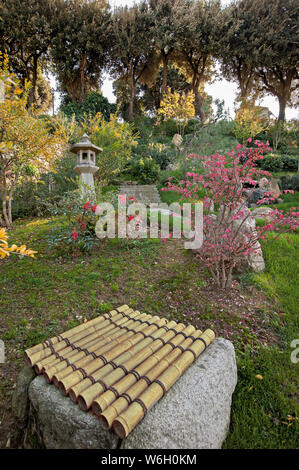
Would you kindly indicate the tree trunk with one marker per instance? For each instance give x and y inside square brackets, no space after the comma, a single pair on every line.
[198,104]
[4,209]
[282,108]
[10,195]
[33,95]
[132,97]
[82,80]
[164,80]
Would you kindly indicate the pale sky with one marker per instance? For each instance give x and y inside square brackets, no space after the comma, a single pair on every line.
[221,89]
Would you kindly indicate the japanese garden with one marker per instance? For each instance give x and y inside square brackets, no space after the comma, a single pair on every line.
[162,215]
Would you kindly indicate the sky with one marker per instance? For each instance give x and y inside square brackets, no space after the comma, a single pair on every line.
[221,89]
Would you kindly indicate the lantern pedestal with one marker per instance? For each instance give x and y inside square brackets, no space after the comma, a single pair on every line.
[86,164]
[86,180]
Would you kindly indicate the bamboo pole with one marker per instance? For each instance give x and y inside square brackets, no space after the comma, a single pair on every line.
[106,417]
[118,363]
[127,420]
[57,343]
[150,345]
[65,384]
[99,350]
[107,398]
[86,341]
[67,334]
[116,335]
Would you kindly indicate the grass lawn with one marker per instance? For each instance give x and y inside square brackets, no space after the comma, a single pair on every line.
[47,295]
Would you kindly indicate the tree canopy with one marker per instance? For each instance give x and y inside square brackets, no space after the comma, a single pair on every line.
[255,41]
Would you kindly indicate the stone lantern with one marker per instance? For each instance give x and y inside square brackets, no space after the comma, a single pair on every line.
[86,163]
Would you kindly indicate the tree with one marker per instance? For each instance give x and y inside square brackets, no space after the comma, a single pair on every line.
[164,32]
[44,98]
[231,235]
[269,32]
[80,47]
[93,104]
[122,91]
[234,49]
[179,107]
[197,24]
[176,81]
[250,120]
[26,33]
[133,53]
[26,146]
[277,59]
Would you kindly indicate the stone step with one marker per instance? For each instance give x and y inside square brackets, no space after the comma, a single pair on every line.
[143,193]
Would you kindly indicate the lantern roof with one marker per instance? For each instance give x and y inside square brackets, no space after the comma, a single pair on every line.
[85,144]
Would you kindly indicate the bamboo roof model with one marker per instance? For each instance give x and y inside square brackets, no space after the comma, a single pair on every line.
[119,364]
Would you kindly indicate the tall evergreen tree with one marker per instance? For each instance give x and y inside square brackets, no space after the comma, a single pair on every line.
[81,45]
[165,34]
[26,33]
[197,26]
[133,51]
[261,48]
[234,50]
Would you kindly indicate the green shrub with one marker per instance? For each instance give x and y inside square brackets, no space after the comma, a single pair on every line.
[176,175]
[31,198]
[144,170]
[159,148]
[217,137]
[94,103]
[290,182]
[271,162]
[293,151]
[289,162]
[167,127]
[274,162]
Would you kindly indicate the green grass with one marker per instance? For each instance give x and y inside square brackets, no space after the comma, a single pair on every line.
[265,412]
[47,295]
[289,200]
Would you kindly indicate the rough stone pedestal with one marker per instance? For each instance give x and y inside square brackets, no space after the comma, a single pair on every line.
[195,413]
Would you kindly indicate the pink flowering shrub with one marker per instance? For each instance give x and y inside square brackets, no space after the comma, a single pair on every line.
[230,233]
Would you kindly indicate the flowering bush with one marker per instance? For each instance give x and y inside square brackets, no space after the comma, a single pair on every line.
[74,231]
[249,121]
[230,234]
[177,106]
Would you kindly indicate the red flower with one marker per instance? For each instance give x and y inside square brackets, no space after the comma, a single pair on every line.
[83,225]
[93,208]
[74,235]
[86,206]
[130,217]
[132,199]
